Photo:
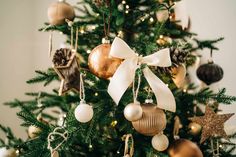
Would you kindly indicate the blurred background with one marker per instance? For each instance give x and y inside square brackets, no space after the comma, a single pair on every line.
[23,49]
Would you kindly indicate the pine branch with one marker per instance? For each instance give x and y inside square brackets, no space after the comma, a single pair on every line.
[207,44]
[12,140]
[46,77]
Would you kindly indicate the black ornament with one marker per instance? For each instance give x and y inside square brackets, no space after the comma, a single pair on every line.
[210,73]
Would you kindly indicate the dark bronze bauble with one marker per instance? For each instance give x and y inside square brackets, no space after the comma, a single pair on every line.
[101,63]
[58,12]
[184,148]
[210,73]
[153,120]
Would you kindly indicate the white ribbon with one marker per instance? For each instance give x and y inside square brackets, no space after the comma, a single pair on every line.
[125,73]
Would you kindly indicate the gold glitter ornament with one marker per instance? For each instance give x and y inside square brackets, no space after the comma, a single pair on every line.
[212,124]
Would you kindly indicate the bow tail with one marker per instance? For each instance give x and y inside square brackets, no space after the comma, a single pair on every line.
[165,98]
[122,78]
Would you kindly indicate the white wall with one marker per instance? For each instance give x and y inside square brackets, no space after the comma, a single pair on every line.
[23,49]
[212,19]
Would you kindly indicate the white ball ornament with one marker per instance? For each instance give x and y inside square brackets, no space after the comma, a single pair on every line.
[160,142]
[4,152]
[83,112]
[133,111]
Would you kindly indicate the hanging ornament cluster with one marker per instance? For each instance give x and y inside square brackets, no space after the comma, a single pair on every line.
[101,63]
[59,11]
[147,119]
[125,73]
[83,112]
[212,124]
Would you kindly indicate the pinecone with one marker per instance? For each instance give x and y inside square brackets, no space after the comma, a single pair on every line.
[98,2]
[178,55]
[62,57]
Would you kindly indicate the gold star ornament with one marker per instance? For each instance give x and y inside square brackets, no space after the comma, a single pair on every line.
[212,124]
[67,67]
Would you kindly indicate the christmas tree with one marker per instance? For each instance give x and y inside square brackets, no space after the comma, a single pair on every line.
[125,88]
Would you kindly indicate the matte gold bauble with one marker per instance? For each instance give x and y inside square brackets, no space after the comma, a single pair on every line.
[184,148]
[179,74]
[59,11]
[194,128]
[160,142]
[101,64]
[152,122]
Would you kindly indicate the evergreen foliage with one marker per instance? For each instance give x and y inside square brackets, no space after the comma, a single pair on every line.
[101,137]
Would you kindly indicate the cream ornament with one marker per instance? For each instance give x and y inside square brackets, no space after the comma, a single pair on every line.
[4,152]
[160,142]
[83,112]
[133,111]
[125,73]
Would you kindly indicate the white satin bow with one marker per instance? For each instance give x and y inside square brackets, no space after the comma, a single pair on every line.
[125,73]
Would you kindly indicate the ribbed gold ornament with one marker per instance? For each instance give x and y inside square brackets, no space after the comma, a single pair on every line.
[152,122]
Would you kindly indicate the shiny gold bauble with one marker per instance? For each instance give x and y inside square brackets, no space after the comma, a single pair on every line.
[59,11]
[184,148]
[153,120]
[194,128]
[164,40]
[101,63]
[179,74]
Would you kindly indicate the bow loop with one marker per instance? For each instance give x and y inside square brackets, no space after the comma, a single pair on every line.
[125,73]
